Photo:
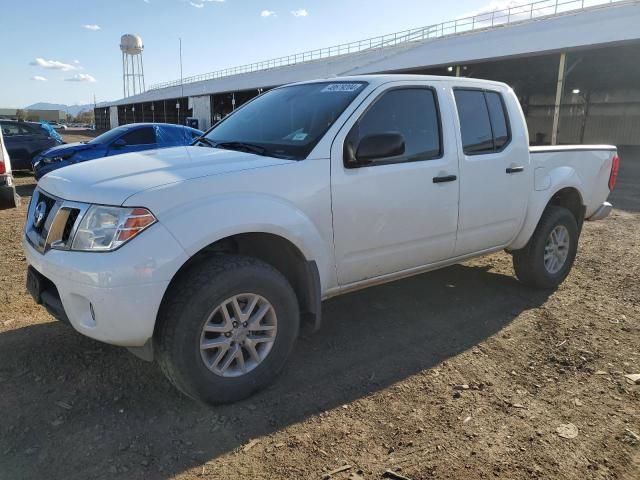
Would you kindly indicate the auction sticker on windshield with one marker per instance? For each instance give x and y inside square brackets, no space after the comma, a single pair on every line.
[299,137]
[342,87]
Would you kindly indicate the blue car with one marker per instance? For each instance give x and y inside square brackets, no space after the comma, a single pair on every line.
[134,137]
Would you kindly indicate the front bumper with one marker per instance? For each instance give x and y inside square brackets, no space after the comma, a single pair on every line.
[112,297]
[46,294]
[602,212]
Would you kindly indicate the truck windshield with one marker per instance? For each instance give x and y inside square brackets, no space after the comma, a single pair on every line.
[285,122]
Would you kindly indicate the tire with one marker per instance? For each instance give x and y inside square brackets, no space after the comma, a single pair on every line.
[529,262]
[188,306]
[8,197]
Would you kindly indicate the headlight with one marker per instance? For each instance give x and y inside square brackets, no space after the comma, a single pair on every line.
[107,228]
[59,158]
[49,160]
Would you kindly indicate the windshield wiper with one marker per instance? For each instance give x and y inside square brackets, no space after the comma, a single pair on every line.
[206,141]
[242,146]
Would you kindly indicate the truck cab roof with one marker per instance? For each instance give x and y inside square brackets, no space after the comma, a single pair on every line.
[386,78]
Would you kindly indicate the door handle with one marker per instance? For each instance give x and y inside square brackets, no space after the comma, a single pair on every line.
[511,170]
[446,178]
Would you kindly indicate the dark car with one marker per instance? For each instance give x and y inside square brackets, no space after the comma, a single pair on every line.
[25,140]
[134,137]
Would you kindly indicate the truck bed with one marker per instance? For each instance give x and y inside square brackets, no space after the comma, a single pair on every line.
[591,164]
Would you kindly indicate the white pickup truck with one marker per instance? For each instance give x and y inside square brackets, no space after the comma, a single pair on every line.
[208,257]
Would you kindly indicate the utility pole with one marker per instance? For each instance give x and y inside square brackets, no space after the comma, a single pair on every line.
[181,81]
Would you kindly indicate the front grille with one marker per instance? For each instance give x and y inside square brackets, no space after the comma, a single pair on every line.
[51,221]
[49,203]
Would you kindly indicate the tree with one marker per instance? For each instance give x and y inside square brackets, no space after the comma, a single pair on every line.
[21,114]
[85,117]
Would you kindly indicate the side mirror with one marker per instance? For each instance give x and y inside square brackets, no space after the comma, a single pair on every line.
[119,143]
[374,147]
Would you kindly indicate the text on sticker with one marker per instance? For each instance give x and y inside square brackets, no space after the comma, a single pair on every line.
[342,87]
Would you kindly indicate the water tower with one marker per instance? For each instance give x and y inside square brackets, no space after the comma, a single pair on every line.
[132,67]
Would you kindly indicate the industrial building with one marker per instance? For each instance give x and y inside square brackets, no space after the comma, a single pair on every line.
[572,63]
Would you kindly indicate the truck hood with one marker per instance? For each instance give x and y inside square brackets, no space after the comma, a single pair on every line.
[111,180]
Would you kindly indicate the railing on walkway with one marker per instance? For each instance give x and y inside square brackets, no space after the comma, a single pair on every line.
[514,14]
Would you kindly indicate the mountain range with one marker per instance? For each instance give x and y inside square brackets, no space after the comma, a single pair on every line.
[72,110]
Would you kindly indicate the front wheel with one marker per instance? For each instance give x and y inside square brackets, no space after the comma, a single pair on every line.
[548,257]
[226,328]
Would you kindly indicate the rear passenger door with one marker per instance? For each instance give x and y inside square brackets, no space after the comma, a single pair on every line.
[495,173]
[400,212]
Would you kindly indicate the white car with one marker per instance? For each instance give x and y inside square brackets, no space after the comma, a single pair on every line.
[58,126]
[8,196]
[208,257]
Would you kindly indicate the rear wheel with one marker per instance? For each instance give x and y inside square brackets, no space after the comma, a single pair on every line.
[227,328]
[548,257]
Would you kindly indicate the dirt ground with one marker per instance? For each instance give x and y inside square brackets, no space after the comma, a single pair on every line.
[461,373]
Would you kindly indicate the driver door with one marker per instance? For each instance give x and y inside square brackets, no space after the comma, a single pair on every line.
[401,212]
[134,141]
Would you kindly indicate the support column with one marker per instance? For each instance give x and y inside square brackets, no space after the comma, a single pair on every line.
[559,92]
[457,70]
[113,117]
[585,116]
[201,110]
[124,78]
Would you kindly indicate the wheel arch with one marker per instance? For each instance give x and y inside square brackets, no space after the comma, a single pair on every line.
[571,199]
[565,192]
[279,252]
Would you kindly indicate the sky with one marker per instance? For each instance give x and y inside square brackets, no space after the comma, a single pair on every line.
[67,51]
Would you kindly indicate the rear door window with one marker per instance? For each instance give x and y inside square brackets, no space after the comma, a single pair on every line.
[140,136]
[475,125]
[484,123]
[498,117]
[31,130]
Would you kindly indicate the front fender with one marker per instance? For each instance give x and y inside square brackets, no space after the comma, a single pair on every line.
[206,221]
[546,187]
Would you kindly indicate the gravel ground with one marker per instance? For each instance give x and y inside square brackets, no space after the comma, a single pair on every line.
[461,373]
